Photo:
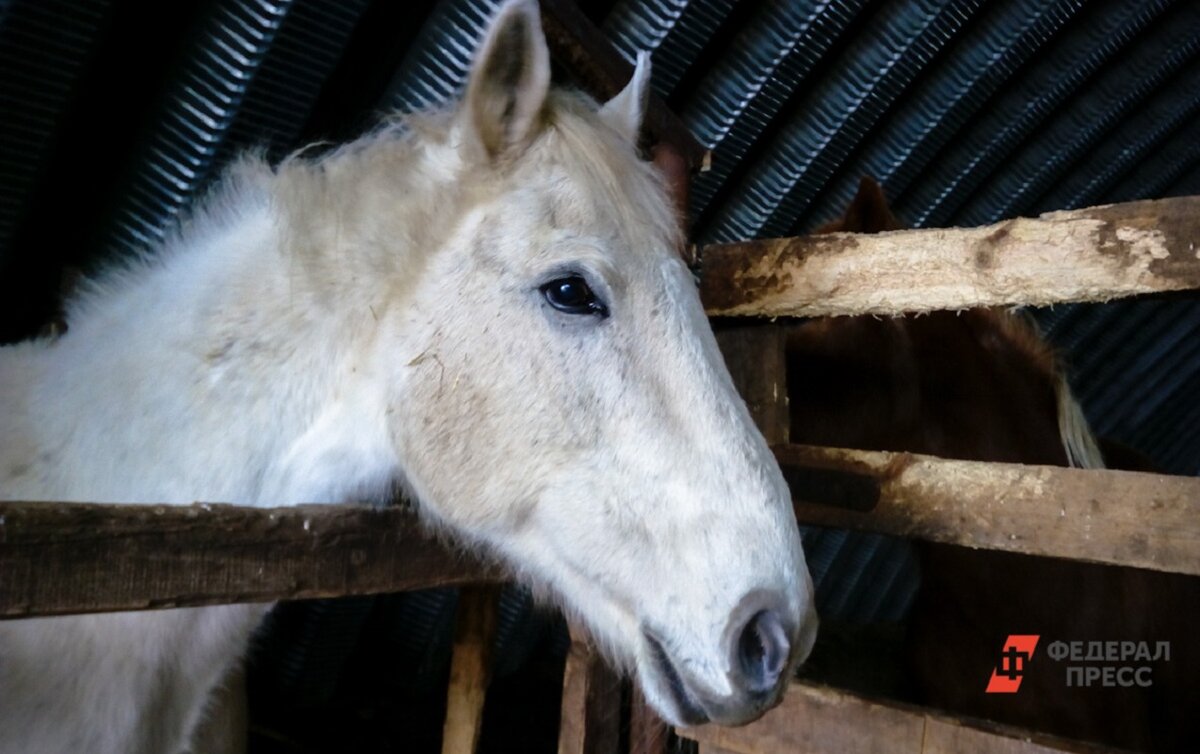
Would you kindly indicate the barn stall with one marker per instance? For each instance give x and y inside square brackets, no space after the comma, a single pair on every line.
[969,114]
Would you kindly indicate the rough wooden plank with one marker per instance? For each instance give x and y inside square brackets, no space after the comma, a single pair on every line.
[948,736]
[1093,254]
[819,719]
[591,701]
[470,667]
[585,51]
[66,558]
[73,558]
[754,353]
[1117,517]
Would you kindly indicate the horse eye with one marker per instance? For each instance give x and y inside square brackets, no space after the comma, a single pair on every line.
[571,295]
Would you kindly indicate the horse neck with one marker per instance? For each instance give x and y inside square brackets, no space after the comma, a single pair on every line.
[214,365]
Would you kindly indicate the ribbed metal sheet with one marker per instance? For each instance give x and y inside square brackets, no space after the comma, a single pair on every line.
[676,31]
[207,96]
[954,91]
[44,48]
[1063,68]
[435,68]
[249,81]
[751,82]
[1073,133]
[821,131]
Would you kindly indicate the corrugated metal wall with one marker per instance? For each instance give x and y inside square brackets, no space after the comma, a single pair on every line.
[968,112]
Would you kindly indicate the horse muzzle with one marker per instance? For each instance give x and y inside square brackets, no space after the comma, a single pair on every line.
[763,647]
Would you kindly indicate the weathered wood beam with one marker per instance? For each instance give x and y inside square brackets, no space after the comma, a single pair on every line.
[79,558]
[71,558]
[1116,517]
[1093,254]
[815,718]
[68,558]
[585,51]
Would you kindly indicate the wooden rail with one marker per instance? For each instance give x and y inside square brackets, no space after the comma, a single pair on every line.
[1093,254]
[1116,517]
[81,558]
[76,558]
[815,718]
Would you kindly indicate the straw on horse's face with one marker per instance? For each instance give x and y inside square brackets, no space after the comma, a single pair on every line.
[564,401]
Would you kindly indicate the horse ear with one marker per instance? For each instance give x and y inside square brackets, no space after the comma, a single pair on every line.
[509,81]
[625,111]
[869,211]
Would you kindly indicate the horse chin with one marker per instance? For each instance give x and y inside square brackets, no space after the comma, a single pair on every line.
[683,700]
[667,691]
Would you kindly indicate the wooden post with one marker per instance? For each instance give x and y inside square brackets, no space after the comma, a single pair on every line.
[470,667]
[591,701]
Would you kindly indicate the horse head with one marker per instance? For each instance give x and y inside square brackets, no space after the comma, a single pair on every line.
[559,398]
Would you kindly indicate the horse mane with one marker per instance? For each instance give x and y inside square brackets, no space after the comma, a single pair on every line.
[417,156]
[1023,334]
[320,200]
[870,212]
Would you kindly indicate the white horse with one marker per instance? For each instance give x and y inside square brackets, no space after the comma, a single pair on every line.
[483,307]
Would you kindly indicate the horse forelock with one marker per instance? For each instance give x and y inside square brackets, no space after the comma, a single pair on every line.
[607,167]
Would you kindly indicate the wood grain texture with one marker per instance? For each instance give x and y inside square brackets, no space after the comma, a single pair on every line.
[818,719]
[1093,254]
[70,558]
[1117,517]
[77,558]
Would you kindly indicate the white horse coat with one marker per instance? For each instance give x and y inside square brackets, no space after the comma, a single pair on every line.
[482,307]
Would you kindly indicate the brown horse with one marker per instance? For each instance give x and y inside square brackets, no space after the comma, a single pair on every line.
[983,385]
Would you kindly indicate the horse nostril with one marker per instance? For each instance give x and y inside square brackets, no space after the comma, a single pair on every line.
[763,649]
